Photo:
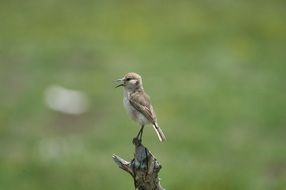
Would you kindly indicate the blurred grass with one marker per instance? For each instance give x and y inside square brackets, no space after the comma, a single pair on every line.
[215,72]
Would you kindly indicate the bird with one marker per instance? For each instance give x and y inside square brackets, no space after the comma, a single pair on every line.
[138,105]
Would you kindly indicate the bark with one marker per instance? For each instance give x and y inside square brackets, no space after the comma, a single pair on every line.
[143,168]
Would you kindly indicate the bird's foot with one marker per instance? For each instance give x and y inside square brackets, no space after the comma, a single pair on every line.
[136,141]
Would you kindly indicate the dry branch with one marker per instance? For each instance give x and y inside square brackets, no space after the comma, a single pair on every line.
[144,168]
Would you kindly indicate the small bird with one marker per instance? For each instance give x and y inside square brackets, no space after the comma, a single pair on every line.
[138,105]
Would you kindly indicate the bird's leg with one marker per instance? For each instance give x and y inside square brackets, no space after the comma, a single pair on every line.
[139,135]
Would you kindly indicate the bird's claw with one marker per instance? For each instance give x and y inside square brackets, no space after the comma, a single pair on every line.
[136,141]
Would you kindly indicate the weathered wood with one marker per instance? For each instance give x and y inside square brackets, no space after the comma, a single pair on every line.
[144,168]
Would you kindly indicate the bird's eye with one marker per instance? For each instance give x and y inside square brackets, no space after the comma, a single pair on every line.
[128,79]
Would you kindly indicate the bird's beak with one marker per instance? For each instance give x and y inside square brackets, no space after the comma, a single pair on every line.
[119,80]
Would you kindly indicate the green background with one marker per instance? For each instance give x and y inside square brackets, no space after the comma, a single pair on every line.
[215,71]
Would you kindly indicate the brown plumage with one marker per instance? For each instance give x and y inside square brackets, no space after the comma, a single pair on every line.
[137,103]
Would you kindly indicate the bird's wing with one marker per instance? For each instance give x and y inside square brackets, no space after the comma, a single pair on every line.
[141,102]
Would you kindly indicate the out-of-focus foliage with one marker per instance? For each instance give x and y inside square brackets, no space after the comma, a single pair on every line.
[215,71]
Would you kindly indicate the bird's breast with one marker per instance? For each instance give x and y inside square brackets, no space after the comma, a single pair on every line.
[129,108]
[133,113]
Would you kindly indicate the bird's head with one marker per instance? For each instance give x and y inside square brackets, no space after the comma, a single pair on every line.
[131,81]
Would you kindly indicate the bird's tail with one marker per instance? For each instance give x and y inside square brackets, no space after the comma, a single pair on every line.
[159,132]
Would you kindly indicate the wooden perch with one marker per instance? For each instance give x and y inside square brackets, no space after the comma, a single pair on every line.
[144,168]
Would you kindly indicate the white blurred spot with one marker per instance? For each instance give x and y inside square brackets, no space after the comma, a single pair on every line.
[66,100]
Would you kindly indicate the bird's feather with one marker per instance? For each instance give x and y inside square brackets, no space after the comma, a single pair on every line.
[141,102]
